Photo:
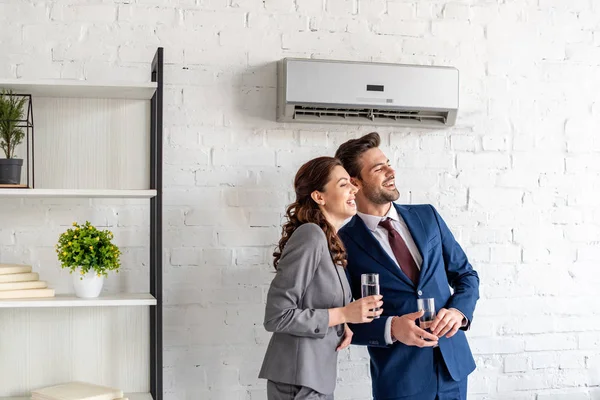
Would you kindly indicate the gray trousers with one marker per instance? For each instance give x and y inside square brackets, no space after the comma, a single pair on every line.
[284,391]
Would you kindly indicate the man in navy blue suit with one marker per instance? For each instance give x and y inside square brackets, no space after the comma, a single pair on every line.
[416,256]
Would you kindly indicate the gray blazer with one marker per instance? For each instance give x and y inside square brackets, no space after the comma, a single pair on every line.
[302,347]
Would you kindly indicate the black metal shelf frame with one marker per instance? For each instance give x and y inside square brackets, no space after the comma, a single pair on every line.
[156,260]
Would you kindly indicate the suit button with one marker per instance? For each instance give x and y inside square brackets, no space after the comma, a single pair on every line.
[317,330]
[420,293]
[340,333]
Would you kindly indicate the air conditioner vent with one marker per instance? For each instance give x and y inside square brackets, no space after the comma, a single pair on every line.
[369,114]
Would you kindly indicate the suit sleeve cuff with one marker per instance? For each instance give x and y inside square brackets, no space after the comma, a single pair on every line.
[388,332]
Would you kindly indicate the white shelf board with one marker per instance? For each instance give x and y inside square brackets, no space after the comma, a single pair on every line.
[130,396]
[63,300]
[92,193]
[80,88]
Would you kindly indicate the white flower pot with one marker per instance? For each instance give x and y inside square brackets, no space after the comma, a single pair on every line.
[88,285]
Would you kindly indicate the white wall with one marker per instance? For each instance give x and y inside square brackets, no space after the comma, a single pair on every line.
[518,178]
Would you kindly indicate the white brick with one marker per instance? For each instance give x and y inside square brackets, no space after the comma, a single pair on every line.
[308,138]
[540,163]
[186,196]
[563,396]
[523,382]
[215,217]
[425,160]
[245,38]
[226,175]
[494,143]
[589,340]
[218,20]
[459,30]
[248,276]
[185,156]
[582,163]
[518,179]
[432,47]
[498,345]
[248,237]
[340,7]
[506,254]
[191,236]
[435,144]
[84,13]
[289,159]
[278,21]
[401,10]
[496,197]
[516,363]
[391,26]
[468,161]
[372,9]
[252,5]
[577,5]
[457,11]
[264,218]
[253,198]
[405,141]
[244,157]
[134,13]
[551,342]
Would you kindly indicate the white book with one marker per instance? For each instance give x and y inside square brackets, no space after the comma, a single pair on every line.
[29,276]
[14,268]
[27,294]
[23,285]
[77,391]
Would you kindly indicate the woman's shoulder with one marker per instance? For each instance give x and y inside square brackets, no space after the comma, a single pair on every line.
[308,234]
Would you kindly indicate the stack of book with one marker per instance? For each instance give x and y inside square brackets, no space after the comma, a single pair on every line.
[77,391]
[19,282]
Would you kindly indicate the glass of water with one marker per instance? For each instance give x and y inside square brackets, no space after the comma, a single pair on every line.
[369,286]
[428,308]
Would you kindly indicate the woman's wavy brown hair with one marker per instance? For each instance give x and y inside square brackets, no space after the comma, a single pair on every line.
[312,176]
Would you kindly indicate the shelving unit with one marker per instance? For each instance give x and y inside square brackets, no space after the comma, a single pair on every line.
[130,396]
[81,89]
[81,193]
[93,140]
[64,300]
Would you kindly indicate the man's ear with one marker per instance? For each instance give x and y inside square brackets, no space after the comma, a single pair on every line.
[355,182]
[318,197]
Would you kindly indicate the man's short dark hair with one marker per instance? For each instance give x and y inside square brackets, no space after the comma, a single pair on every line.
[349,153]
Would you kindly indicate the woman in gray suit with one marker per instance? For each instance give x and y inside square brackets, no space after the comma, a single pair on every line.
[309,300]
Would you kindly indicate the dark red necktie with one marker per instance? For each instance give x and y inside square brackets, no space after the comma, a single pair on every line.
[403,256]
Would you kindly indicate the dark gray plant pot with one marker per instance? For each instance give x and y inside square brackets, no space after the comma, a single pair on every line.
[10,171]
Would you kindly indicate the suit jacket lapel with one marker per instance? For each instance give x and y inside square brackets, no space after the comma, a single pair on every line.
[365,240]
[417,231]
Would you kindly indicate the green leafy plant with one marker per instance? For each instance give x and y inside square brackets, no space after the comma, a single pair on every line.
[11,111]
[86,248]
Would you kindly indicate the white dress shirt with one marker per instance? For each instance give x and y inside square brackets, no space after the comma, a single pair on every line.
[381,234]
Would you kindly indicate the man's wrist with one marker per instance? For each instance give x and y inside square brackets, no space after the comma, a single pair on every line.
[464,322]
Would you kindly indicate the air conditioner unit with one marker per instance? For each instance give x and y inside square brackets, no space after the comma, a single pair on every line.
[350,92]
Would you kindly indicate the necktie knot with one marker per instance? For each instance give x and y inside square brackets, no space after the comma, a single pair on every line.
[387,224]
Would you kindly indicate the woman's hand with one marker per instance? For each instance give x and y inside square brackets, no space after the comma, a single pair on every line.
[347,338]
[361,310]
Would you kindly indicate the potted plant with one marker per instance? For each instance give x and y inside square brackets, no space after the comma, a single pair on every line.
[89,253]
[11,135]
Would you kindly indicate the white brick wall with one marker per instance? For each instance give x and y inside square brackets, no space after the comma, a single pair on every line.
[517,179]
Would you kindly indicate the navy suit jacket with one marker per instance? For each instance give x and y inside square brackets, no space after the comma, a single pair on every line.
[399,370]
